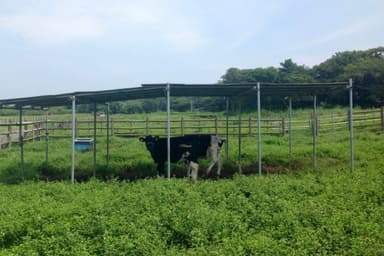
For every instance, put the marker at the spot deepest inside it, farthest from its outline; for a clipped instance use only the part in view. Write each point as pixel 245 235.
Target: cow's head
pixel 150 141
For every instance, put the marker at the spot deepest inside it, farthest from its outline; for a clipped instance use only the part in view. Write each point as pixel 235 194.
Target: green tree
pixel 366 68
pixel 290 72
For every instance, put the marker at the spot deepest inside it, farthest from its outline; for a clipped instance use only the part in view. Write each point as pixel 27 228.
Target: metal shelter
pixel 169 90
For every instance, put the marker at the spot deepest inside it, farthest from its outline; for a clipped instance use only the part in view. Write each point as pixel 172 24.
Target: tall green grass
pixel 329 212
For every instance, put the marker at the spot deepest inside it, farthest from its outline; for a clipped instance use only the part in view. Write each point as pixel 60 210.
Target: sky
pixel 60 46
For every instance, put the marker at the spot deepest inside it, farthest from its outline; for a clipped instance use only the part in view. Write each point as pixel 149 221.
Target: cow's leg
pixel 212 153
pixel 219 163
pixel 194 169
pixel 189 169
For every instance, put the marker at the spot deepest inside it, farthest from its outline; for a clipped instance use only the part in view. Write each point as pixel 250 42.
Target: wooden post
pixel 317 124
pixel 311 122
pixel 216 125
pixel 34 127
pixel 282 127
pixel 382 118
pixel 146 126
pixel 25 131
pixel 250 126
pixel 77 134
pixel 112 126
pixel 182 125
pixel 9 137
pixel 39 127
pixel 89 128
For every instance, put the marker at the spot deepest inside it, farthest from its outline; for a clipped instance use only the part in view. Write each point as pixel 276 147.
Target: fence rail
pixel 36 129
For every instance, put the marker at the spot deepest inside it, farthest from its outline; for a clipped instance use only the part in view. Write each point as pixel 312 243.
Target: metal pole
pixel 259 127
pixel 351 124
pixel 46 137
pixel 239 149
pixel 290 126
pixel 94 139
pixel 73 138
pixel 226 128
pixel 21 142
pixel 168 131
pixel 314 132
pixel 107 134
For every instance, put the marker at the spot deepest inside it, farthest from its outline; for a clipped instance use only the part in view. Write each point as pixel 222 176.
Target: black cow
pixel 197 145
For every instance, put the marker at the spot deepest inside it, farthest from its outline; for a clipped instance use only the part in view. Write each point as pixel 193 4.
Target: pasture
pixel 291 210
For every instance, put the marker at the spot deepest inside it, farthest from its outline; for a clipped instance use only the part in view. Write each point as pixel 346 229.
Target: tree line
pixel 365 67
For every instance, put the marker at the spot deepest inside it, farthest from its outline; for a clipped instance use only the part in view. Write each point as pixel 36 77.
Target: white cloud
pixel 51 30
pixel 163 21
pixel 184 40
pixel 58 22
pixel 139 13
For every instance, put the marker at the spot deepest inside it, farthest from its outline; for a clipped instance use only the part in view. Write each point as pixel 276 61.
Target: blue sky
pixel 59 46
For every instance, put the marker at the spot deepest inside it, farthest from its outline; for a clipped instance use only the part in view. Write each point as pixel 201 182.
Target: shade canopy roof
pixel 159 90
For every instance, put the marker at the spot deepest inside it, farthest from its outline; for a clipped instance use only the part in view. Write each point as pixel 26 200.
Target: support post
pixel 94 138
pixel 46 137
pixel 259 127
pixel 350 87
pixel 108 135
pixel 290 126
pixel 21 142
pixel 9 137
pixel 239 138
pixel 73 138
pixel 314 132
pixel 226 127
pixel 168 131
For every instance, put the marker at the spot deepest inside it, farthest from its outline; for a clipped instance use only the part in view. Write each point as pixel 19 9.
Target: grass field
pixel 300 211
pixel 130 159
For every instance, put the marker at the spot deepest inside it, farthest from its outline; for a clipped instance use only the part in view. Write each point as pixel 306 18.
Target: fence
pixel 35 130
pixel 9 133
